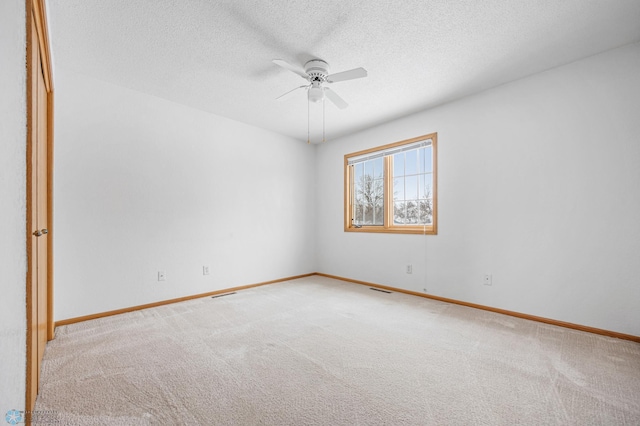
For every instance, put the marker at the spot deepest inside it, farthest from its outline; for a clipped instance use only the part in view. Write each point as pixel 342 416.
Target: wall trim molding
pixel 170 301
pixel 40 19
pixel 550 321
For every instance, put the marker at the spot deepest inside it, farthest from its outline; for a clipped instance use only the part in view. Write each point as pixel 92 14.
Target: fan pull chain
pixel 323 115
pixel 308 122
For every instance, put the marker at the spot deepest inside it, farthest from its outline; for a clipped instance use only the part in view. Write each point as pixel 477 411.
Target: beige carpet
pixel 317 351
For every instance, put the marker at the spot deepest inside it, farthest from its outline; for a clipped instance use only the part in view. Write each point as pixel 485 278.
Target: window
pixel 392 188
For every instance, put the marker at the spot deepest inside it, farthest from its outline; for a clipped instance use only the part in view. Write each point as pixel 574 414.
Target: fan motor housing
pixel 317 70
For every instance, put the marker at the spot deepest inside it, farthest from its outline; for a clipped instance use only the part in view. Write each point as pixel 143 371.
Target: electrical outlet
pixel 162 276
pixel 409 269
pixel 205 270
pixel 487 279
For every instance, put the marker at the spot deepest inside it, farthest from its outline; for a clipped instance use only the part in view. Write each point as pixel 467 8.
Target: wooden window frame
pixel 388 226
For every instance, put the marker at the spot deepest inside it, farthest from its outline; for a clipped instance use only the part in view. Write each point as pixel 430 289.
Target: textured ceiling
pixel 216 55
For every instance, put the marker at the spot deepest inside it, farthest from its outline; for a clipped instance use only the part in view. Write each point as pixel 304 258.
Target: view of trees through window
pixel 412 189
pixel 368 206
pixel 392 188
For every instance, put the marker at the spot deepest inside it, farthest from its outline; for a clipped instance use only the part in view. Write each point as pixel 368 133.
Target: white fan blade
pixel 288 94
pixel 347 75
pixel 333 97
pixel 286 65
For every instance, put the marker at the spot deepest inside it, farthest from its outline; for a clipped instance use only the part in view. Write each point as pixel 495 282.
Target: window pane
pixel 358 210
pixel 398 188
pixel 352 192
pixel 379 214
pixel 368 215
pixel 368 190
pixel 358 171
pixel 377 191
pixel 426 212
pixel 378 169
pixel 411 162
pixel 412 212
pixel 427 165
pixel 398 164
pixel 368 168
pixel 411 188
pixel 425 186
pixel 399 212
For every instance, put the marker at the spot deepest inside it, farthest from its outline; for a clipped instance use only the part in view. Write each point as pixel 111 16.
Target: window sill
pixel 429 230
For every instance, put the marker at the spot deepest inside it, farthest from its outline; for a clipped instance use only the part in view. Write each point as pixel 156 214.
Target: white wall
pixel 13 138
pixel 143 184
pixel 539 185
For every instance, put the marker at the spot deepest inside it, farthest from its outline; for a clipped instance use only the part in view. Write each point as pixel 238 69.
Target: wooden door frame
pixel 35 11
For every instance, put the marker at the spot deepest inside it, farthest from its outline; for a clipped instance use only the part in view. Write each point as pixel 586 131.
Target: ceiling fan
pixel 316 72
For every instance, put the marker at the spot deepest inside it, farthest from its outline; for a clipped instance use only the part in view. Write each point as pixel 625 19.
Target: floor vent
pixel 378 289
pixel 222 295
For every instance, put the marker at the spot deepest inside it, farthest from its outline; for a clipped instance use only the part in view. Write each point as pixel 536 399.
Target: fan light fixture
pixel 315 94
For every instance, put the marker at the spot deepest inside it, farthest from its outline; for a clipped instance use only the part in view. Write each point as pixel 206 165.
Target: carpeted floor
pixel 317 351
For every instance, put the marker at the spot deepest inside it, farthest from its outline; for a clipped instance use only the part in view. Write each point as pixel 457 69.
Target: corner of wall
pixel 12 208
